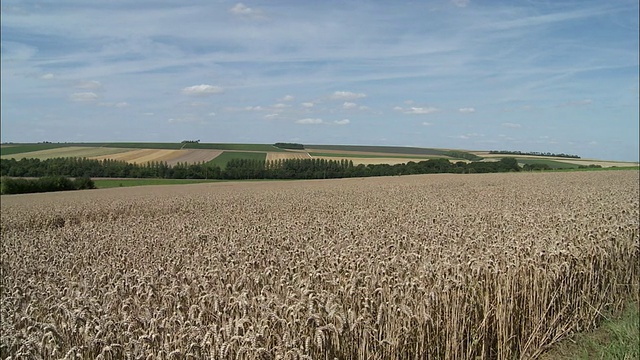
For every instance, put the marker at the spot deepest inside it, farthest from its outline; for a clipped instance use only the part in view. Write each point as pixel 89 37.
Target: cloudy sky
pixel 531 75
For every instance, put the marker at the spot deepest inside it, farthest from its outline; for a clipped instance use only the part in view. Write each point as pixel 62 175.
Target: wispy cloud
pixel 309 121
pixel 342 122
pixel 89 85
pixel 583 102
pixel 349 105
pixel 420 110
pixel 346 95
pixel 511 125
pixel 467 110
pixel 202 90
pixel 460 3
pixel 84 97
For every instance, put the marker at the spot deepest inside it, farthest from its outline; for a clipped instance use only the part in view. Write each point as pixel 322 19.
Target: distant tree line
pixel 44 184
pixel 243 168
pixel 534 153
pixel 190 142
pixel 292 146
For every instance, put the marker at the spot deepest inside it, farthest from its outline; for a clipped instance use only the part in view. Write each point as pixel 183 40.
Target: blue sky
pixel 551 76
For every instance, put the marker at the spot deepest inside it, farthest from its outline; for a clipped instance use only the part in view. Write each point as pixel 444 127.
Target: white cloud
pixel 121 104
pixel 271 116
pixel 47 76
pixel 309 121
pixel 212 114
pixel 427 123
pixel 307 104
pixel 287 98
pixel 511 125
pixel 89 85
pixel 148 114
pixel 280 106
pixel 254 108
pixel 241 9
pixel 202 90
pixel 420 110
pixel 467 110
pixel 346 95
pixel 342 122
pixel 84 97
pixel 397 108
pixel 349 105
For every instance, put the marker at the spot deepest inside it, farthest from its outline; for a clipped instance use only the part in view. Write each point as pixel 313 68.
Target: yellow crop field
pixel 171 157
pixel 69 151
pixel 287 155
pixel 492 266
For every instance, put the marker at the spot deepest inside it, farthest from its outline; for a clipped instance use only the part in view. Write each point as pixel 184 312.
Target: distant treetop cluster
pixel 190 142
pixel 534 153
pixel 292 146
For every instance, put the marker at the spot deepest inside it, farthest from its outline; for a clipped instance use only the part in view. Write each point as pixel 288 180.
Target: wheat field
pixel 495 266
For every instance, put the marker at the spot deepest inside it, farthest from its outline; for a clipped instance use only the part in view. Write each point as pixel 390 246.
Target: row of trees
pixel 44 184
pixel 534 153
pixel 293 146
pixel 242 168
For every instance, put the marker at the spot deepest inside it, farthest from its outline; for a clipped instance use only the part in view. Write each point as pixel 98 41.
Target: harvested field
pixel 287 155
pixel 68 151
pixel 587 162
pixel 372 153
pixel 494 266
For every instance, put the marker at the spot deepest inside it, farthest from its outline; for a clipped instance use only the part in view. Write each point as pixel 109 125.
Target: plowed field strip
pixel 146 155
pixel 194 156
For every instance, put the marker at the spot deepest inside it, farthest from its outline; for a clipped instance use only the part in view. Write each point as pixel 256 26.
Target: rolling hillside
pixel 191 153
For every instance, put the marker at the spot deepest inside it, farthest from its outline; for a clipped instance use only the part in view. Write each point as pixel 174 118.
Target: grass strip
pixel 226 156
pixel 112 183
pixel 366 156
pixel 615 339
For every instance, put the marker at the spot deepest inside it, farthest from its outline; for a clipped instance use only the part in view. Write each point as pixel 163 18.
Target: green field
pixel 226 156
pixel 22 148
pixel 551 163
pixel 25 148
pixel 238 147
pixel 111 183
